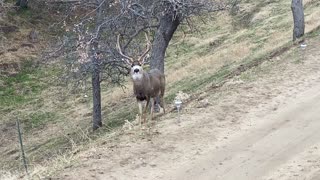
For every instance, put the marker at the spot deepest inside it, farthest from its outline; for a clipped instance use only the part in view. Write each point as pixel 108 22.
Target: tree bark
pixel 96 69
pixel 23 4
pixel 298 18
pixel 168 25
pixel 96 92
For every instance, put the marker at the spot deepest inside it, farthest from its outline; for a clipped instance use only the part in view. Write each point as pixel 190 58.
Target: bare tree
pixel 298 19
pixel 89 51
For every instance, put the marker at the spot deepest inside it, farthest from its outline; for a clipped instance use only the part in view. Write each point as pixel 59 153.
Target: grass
pixel 262 37
pixel 20 88
pixel 26 86
pixel 56 122
pixel 37 120
pixel 193 84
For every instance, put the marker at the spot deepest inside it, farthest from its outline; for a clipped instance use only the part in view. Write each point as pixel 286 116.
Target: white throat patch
pixel 136 75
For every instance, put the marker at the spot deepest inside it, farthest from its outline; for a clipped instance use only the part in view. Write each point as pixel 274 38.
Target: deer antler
pixel 129 60
pixel 142 57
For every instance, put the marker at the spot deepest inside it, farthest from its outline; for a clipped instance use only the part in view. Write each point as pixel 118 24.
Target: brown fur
pixel 149 87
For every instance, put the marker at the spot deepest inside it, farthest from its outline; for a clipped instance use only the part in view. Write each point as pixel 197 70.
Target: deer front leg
pixel 140 112
pixel 152 106
pixel 145 110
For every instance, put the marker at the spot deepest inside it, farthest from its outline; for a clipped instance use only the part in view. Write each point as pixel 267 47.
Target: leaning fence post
pixel 22 149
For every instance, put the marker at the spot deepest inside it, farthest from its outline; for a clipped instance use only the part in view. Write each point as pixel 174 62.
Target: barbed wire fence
pixel 23 156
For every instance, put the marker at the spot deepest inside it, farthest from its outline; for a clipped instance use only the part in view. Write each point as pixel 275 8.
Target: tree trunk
pixel 298 18
pixel 96 89
pixel 96 92
pixel 168 25
pixel 22 4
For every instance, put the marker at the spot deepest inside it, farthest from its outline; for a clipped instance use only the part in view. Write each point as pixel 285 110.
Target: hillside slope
pixel 262 124
pixel 56 121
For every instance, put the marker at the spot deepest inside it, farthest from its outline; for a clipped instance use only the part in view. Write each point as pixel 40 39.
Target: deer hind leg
pixel 161 101
pixel 162 104
pixel 162 90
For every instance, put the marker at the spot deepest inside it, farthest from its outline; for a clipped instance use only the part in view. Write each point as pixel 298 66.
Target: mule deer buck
pixel 146 85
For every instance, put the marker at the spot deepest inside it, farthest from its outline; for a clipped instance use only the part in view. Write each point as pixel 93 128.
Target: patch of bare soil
pixel 17 44
pixel 262 124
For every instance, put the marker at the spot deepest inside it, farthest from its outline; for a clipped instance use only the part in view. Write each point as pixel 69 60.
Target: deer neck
pixel 136 77
pixel 141 82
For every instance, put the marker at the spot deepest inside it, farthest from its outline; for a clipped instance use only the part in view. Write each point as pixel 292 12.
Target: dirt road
pixel 263 124
pixel 274 140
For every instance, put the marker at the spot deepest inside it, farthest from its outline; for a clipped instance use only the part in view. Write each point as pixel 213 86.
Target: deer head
pixel 136 64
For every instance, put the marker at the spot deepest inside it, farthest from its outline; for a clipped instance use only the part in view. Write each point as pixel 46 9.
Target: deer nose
pixel 136 70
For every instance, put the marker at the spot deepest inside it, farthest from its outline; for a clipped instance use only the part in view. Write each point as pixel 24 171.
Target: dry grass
pixel 195 59
pixel 269 29
pixel 4 175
